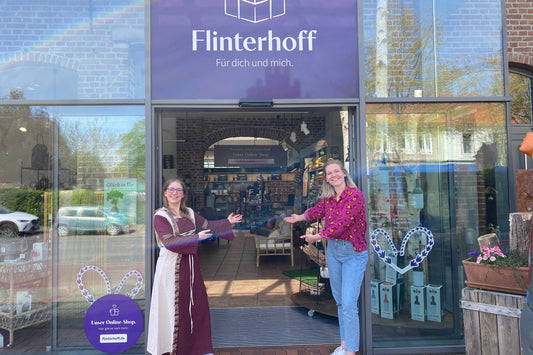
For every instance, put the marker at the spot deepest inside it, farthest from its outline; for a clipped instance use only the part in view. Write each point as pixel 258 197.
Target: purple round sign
pixel 113 323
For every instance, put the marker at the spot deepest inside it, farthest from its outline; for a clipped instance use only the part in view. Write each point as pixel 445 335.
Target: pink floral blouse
pixel 343 219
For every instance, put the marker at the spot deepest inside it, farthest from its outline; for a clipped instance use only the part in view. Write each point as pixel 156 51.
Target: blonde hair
pixel 327 189
pixel 184 211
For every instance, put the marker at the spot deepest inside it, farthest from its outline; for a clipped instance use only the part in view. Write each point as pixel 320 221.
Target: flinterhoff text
pixel 210 40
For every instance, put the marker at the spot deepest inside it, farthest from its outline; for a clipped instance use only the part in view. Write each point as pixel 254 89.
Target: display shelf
pixel 403 320
pixel 257 196
pixel 23 271
pixel 24 276
pixel 313 179
pixel 318 297
pixel 12 322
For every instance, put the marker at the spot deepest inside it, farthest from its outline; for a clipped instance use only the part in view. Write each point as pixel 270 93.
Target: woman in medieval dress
pixel 179 321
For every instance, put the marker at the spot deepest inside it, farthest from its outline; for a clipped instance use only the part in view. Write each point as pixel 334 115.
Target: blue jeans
pixel 346 269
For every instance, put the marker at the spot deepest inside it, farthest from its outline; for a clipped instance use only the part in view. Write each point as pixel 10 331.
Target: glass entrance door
pixel 263 165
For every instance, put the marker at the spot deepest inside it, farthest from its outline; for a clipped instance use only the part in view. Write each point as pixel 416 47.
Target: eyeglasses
pixel 171 189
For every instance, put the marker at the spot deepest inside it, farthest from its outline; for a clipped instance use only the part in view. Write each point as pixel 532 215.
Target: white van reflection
pixel 84 219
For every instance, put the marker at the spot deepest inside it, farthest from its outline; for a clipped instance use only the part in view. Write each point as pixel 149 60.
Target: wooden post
pixel 520 231
pixel 489 240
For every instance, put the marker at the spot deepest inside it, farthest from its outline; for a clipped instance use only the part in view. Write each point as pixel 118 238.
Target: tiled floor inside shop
pixel 233 280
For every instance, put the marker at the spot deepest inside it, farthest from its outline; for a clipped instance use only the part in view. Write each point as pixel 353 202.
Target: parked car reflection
pixel 18 222
pixel 79 219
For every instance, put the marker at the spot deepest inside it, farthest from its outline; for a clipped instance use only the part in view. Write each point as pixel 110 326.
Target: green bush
pixel 23 200
pixel 82 197
pixel 65 198
pixel 32 201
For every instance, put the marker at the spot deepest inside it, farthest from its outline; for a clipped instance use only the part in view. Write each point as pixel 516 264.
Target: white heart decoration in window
pixel 382 254
pixel 90 298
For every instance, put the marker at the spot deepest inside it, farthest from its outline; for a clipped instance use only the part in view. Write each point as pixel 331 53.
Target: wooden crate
pixel 491 321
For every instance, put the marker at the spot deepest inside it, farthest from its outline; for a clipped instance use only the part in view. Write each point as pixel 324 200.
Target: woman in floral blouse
pixel 342 207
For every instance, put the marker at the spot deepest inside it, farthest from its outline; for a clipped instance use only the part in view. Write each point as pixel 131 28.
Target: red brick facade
pixel 520 32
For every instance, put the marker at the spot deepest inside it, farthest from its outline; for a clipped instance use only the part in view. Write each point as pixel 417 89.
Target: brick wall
pixel 520 31
pixel 94 50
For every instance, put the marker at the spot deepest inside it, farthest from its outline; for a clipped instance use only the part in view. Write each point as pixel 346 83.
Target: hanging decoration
pixel 303 128
pixel 90 298
pixel 382 253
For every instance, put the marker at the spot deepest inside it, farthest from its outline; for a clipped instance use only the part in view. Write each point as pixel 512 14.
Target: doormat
pixel 307 276
pixel 235 327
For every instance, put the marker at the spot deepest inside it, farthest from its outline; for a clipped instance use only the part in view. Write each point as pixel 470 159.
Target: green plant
pixel 82 197
pixel 24 200
pixel 113 196
pixel 8 234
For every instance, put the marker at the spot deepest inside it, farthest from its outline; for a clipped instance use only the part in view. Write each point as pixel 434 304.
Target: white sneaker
pixel 339 351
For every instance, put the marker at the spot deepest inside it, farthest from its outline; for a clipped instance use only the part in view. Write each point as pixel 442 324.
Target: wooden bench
pixel 278 242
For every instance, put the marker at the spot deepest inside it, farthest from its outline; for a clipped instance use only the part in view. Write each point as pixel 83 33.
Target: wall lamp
pixel 22 126
pixel 256 103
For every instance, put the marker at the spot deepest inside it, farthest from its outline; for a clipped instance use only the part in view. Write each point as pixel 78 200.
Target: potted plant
pixel 493 270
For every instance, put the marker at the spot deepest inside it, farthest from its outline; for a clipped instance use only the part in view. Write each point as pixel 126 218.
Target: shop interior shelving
pixel 24 278
pixel 318 297
pixel 257 196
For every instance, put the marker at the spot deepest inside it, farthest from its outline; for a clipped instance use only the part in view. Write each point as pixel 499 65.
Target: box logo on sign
pixel 254 11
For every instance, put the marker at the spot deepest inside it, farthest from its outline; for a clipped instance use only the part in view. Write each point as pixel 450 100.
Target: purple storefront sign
pixel 255 49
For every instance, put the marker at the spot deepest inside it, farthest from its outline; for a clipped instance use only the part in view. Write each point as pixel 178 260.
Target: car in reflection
pixel 18 222
pixel 86 219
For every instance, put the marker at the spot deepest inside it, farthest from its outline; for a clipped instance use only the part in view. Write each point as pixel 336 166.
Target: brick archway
pixel 521 61
pixel 201 132
pixel 244 131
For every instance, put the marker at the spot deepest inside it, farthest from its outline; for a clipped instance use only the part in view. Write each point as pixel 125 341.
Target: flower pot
pixel 496 278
